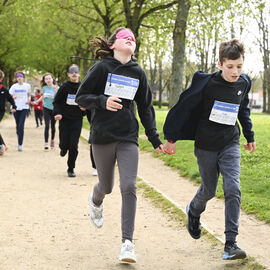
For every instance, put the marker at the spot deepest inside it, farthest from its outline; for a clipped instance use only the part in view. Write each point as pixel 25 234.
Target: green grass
pixel 255 168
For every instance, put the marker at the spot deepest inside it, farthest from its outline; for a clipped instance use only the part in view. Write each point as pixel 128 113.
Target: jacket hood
pixel 114 61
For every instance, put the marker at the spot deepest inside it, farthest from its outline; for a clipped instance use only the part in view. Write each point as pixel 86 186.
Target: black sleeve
pixel 59 99
pixel 10 99
pixel 90 93
pixel 244 117
pixel 146 111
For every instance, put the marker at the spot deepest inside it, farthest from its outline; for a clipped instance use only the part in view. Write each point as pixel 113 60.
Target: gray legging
pixel 126 155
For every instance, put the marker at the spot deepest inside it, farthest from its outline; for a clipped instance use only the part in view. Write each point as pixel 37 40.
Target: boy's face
pixel 74 77
pixel 231 69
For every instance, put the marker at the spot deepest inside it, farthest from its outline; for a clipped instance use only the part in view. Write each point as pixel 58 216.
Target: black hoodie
pixel 108 126
pixel 64 101
pixel 5 95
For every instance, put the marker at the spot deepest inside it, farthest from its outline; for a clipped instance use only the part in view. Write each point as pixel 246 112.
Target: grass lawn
pixel 255 168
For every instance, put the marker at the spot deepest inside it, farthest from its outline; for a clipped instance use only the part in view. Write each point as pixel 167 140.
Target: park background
pixel 174 39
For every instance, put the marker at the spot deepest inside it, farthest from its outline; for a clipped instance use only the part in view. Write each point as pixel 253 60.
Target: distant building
pixel 256 101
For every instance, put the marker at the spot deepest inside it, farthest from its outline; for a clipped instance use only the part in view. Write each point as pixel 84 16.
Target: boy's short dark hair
pixel 2 74
pixel 232 49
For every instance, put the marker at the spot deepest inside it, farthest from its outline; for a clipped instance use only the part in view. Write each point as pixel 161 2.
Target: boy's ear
pixel 219 64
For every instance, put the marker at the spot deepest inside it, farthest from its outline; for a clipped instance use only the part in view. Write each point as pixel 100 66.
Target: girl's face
pixel 48 80
pixel 124 43
pixel 20 80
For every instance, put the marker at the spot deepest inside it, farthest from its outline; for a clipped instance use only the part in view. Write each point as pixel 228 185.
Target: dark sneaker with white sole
pixel 233 252
pixel 193 225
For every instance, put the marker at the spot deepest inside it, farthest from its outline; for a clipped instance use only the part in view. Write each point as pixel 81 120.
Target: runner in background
pixel 21 93
pixel 207 112
pixel 109 89
pixel 4 96
pixel 49 89
pixel 70 115
pixel 38 107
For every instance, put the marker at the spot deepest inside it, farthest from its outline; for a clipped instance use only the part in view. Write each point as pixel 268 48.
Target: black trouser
pixel 38 116
pixel 2 113
pixel 1 140
pixel 20 120
pixel 92 158
pixel 49 118
pixel 69 135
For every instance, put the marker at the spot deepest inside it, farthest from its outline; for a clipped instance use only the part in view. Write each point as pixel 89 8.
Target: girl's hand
pixel 58 117
pixel 250 146
pixel 82 109
pixel 170 148
pixel 160 149
pixel 13 110
pixel 113 105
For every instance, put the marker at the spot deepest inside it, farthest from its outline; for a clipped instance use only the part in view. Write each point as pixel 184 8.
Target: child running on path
pixel 207 112
pixel 70 115
pixel 49 89
pixel 4 96
pixel 110 88
pixel 21 93
pixel 38 107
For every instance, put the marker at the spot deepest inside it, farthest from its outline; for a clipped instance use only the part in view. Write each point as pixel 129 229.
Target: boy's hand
pixel 170 148
pixel 13 110
pixel 82 109
pixel 160 149
pixel 113 104
pixel 250 146
pixel 58 117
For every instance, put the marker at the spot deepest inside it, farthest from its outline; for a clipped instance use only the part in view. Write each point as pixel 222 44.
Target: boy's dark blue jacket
pixel 183 119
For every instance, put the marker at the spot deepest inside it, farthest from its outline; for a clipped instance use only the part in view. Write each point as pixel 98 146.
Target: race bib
pixel 121 86
pixel 71 100
pixel 224 113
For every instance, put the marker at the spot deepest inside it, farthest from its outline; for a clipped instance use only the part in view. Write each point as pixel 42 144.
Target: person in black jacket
pixel 4 96
pixel 70 115
pixel 109 89
pixel 207 112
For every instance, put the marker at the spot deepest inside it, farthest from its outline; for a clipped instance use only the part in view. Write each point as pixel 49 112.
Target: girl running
pixel 21 93
pixel 49 89
pixel 109 88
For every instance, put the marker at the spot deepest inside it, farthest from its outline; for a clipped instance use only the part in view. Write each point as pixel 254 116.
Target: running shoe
pixel 95 172
pixel 52 144
pixel 233 252
pixel 127 252
pixel 46 146
pixel 193 225
pixel 96 213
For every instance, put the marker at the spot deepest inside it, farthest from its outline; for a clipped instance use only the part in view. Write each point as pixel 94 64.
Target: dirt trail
pixel 45 225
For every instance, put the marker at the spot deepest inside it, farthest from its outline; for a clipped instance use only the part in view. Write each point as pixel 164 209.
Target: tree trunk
pixel 160 84
pixel 179 40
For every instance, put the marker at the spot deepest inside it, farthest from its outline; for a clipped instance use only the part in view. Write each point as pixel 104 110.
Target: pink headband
pixel 125 34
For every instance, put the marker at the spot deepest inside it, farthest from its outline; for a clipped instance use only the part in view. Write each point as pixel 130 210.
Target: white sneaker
pixel 20 148
pixel 127 252
pixel 95 173
pixel 46 146
pixel 96 213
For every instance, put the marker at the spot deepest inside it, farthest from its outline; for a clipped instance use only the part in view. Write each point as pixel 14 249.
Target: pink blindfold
pixel 124 34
